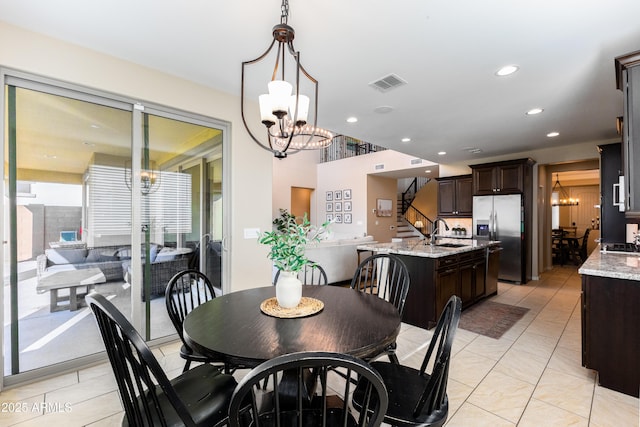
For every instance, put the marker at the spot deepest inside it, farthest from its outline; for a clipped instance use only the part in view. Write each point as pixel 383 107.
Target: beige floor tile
pixel 469 368
pixel 80 414
pixel 540 414
pixel 522 365
pixel 611 408
pixel 502 395
pixel 17 411
pixel 472 416
pixel 569 361
pixel 489 347
pixel 536 344
pixel 457 393
pixel 565 391
pixel 83 391
pixel 40 387
pixel 95 371
pixel 547 328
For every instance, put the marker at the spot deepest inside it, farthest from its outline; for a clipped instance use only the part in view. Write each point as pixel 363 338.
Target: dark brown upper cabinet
pixel 500 178
pixel 455 196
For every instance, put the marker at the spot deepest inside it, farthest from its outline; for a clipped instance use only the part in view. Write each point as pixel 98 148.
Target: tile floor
pixel 529 377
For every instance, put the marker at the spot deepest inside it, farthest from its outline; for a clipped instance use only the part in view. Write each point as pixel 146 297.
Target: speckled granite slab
pixel 419 248
pixel 618 266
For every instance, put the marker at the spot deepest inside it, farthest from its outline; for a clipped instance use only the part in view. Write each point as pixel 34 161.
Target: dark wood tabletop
pixel 233 327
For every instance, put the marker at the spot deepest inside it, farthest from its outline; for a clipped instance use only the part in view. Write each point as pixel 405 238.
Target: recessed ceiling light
pixel 406 139
pixel 505 71
pixel 95 126
pixel 534 111
pixel 352 119
pixel 427 171
pixel 552 134
pixel 441 153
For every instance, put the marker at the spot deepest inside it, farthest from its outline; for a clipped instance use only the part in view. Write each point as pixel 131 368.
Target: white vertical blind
pixel 168 209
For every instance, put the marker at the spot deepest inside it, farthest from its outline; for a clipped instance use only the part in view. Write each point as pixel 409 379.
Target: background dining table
pixel 234 328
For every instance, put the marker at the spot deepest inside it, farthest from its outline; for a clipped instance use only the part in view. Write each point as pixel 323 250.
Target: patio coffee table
pixel 71 279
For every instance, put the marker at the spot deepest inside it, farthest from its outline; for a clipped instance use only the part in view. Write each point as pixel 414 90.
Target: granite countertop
pixel 614 265
pixel 417 247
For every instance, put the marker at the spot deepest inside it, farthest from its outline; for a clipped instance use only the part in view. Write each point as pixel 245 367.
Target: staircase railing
pixel 414 216
pixel 410 193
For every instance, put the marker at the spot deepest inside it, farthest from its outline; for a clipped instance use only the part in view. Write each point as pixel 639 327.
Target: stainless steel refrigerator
pixel 502 218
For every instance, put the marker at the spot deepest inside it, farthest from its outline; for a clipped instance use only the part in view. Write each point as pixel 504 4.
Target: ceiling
pixel 447 52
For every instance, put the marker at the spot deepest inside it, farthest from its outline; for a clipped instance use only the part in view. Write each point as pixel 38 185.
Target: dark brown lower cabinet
pixel 611 331
pixel 435 280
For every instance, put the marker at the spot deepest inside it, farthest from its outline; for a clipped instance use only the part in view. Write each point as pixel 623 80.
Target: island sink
pixel 451 245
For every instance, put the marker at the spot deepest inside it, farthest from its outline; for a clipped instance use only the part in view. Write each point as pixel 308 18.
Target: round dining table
pixel 233 328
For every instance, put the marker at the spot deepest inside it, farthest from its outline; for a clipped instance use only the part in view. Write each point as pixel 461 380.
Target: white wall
pixel 251 166
pixel 296 170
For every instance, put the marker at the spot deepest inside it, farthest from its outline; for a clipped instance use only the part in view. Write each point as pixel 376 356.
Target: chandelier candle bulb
pixel 279 94
pixel 303 109
pixel 266 111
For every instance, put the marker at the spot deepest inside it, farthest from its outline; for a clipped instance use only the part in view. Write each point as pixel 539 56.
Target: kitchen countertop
pixel 417 247
pixel 614 265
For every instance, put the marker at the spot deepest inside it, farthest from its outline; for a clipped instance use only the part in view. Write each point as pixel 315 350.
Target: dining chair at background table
pixel 291 402
pixel 185 291
pixel 387 277
pixel 198 397
pixel 311 274
pixel 419 397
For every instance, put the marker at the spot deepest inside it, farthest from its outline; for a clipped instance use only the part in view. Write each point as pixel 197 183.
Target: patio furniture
pixel 72 280
pixel 198 397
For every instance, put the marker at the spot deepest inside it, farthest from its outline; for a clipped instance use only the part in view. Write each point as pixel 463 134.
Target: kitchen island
pixel 451 267
pixel 611 319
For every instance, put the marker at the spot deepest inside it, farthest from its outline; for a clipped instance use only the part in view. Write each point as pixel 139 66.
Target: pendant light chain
pixel 284 17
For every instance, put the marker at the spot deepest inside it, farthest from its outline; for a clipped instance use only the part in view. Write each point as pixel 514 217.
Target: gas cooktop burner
pixel 620 248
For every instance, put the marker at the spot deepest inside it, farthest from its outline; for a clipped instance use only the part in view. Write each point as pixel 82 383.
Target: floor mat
pixel 491 319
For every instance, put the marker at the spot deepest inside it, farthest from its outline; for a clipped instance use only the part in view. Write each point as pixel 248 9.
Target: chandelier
pixel 285 115
pixel 563 197
pixel 149 179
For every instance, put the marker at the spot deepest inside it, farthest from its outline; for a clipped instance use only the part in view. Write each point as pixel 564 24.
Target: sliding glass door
pixel 101 194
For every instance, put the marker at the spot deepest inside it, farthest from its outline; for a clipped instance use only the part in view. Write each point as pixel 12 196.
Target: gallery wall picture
pixel 347 218
pixel 347 206
pixel 338 206
pixel 337 195
pixel 329 207
pixel 329 196
pixel 338 218
pixel 346 194
pixel 329 217
pixel 384 207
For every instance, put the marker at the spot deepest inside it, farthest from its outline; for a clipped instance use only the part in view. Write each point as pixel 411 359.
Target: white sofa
pixel 338 257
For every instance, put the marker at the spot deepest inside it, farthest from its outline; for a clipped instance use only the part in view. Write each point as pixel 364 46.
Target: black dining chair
pixel 185 291
pixel 292 400
pixel 198 397
pixel 419 397
pixel 311 274
pixel 387 277
pixel 578 250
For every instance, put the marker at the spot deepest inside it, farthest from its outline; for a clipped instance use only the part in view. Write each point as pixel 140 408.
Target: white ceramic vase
pixel 288 289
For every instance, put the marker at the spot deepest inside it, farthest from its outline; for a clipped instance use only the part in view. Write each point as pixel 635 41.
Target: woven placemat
pixel 306 307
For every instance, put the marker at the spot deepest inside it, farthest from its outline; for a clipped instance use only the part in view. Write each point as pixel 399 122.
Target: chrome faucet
pixel 432 239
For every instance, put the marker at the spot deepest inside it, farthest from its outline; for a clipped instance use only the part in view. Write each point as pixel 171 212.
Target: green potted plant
pixel 287 243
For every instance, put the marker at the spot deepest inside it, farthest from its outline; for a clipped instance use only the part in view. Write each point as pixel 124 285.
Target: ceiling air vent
pixel 387 83
pixel 416 161
pixel 379 166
